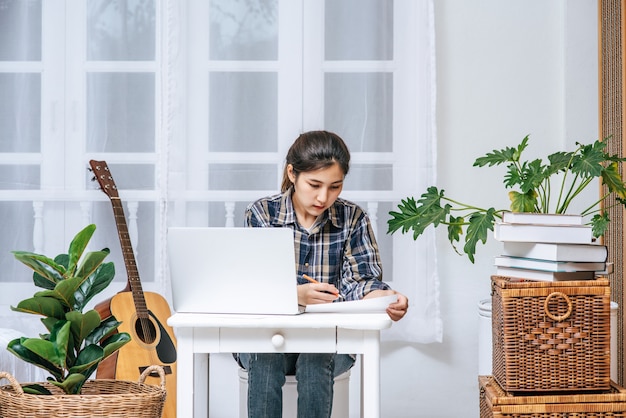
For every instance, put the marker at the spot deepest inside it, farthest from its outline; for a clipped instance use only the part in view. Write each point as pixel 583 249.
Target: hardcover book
pixel 556 251
pixel 541 218
pixel 546 265
pixel 546 276
pixel 570 234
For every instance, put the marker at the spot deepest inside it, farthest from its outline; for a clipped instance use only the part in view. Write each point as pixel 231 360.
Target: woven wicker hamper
pixel 496 403
pixel 101 398
pixel 551 336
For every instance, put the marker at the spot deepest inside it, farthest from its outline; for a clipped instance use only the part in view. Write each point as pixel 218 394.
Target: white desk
pixel 308 332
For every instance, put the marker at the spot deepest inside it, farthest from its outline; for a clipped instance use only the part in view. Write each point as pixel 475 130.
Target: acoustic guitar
pixel 143 314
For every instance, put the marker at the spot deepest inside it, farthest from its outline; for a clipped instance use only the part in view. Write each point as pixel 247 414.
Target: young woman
pixel 334 245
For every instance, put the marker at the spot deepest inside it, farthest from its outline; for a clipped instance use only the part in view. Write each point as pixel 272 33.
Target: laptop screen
pixel 232 270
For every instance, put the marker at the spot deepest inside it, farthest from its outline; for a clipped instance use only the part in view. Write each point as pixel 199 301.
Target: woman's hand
pixel 312 293
pixel 396 310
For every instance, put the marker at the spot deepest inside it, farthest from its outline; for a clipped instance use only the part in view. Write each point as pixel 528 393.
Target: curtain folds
pixel 221 123
pixel 413 263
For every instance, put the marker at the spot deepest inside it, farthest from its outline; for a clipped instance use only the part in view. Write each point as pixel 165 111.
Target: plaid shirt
pixel 340 247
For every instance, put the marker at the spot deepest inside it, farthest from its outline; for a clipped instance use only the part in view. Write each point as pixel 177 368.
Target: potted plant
pixel 76 341
pixel 533 184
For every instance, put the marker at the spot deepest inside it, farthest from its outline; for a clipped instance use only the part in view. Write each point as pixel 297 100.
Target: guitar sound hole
pixel 145 330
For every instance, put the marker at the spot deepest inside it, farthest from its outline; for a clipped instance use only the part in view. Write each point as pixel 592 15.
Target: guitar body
pixel 142 314
pixel 155 346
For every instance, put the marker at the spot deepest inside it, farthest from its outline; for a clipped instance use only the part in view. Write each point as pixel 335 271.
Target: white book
pixel 569 234
pixel 546 265
pixel 541 218
pixel 544 276
pixel 556 251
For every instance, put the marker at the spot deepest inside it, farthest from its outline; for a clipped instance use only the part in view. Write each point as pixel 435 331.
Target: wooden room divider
pixel 612 73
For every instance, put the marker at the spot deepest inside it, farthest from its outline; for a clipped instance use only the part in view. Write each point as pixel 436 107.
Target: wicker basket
pixel 100 398
pixel 551 336
pixel 496 403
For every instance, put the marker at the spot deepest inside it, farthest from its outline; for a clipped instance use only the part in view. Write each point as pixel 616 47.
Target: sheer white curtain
pixel 246 77
pixel 193 104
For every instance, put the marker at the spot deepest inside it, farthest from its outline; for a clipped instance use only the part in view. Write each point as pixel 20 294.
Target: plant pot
pixel 100 398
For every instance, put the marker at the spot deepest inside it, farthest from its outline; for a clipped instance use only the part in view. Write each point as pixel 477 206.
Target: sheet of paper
pixel 354 306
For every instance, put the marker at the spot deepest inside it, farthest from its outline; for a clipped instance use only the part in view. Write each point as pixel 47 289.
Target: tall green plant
pixel 538 186
pixel 77 342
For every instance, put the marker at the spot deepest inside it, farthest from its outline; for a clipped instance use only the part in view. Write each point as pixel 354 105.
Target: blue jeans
pixel 315 373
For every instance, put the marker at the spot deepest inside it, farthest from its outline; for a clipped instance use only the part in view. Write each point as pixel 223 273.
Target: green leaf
pixel 17 348
pixel 95 283
pixel 513 176
pixel 115 342
pixel 50 321
pixel 559 162
pixel 62 260
pixel 455 228
pixel 107 328
pixel 45 267
pixel 89 356
pixel 63 292
pixel 78 245
pixel 533 174
pixel 405 218
pixel 82 325
pixel 40 281
pixel 479 224
pixel 91 262
pixel 418 216
pixel 612 178
pixel 523 202
pixel 42 306
pixel 599 224
pixel 72 384
pixel 590 159
pixel 60 338
pixel 503 156
pixel 44 349
pixel 430 218
pixel 35 389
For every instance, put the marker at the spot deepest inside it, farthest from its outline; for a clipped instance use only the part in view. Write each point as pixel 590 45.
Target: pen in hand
pixel 312 280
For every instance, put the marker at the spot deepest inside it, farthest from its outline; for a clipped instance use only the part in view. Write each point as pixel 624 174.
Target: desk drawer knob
pixel 278 340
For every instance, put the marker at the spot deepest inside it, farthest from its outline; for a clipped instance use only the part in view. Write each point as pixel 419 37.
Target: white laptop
pixel 233 270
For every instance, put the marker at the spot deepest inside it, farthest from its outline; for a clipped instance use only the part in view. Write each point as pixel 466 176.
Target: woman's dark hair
pixel 314 150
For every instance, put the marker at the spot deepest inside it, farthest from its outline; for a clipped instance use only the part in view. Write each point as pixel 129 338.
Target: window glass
pixel 244 30
pixel 107 236
pixel 242 177
pixel 133 176
pixel 360 107
pixel 121 30
pixel 243 112
pixel 20 30
pixel 16 235
pixel 218 215
pixel 19 177
pixel 358 30
pixel 20 112
pixel 120 112
pixel 370 177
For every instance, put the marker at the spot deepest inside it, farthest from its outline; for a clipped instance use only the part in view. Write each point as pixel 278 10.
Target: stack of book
pixel 548 247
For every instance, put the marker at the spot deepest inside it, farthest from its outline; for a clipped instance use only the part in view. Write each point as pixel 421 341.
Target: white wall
pixel 505 69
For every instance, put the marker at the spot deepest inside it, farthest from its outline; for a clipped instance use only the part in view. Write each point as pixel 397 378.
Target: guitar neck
pixel 134 283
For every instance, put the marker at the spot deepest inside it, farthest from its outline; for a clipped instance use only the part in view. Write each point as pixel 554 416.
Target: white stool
pixel 341 391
